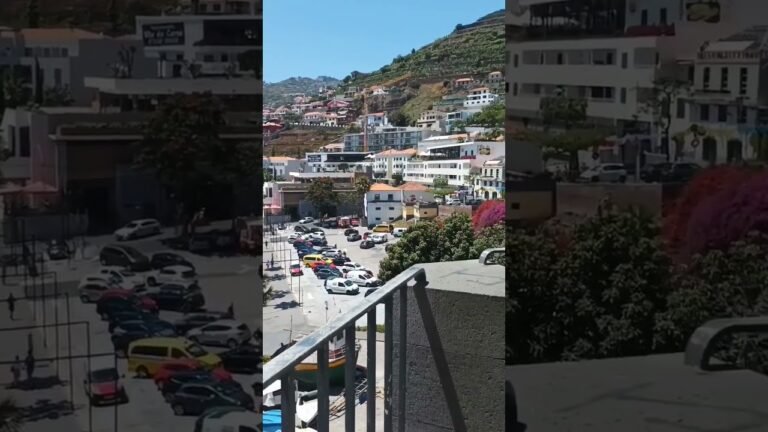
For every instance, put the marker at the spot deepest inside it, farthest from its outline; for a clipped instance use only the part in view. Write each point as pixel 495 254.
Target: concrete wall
pixel 472 349
pixel 584 199
pixel 523 156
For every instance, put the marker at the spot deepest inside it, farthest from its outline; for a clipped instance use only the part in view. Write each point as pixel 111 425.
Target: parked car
pixel 130 331
pixel 300 228
pixel 126 279
pixel 349 231
pixel 319 242
pixel 104 386
pixel 174 273
pixel 353 266
pixel 178 298
pixel 669 172
pixel 161 260
pixel 144 302
pixel 196 398
pixel 327 273
pixel 91 291
pixel 106 307
pixel 367 244
pixel 198 319
pixel 399 231
pixel 353 237
pixel 340 260
pixel 244 359
pixel 180 379
pixel 379 238
pixel 608 172
pixel 138 228
pixel 124 256
pixel 363 279
pixel 57 250
pixel 306 220
pixel 229 333
pixel 342 286
pixel 293 236
pixel 317 230
pixel 169 369
pixel 296 270
pixel 120 317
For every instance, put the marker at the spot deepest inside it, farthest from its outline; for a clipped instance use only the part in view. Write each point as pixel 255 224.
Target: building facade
pixel 390 162
pixel 382 138
pixel 491 180
pixel 338 161
pixel 280 167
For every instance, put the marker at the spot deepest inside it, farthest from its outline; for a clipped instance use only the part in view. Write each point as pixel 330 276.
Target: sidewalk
pixel 44 400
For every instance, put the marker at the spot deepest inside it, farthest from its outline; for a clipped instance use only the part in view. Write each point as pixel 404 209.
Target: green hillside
pixel 276 93
pixel 474 48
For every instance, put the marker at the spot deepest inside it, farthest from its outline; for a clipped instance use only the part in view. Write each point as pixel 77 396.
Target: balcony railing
pixel 282 367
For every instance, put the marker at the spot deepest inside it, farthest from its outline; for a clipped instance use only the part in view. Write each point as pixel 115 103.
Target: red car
pixel 296 270
pixel 103 386
pixel 168 369
pixel 145 302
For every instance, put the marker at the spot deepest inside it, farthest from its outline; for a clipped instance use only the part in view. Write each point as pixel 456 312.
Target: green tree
pixel 33 14
pixel 322 195
pixel 182 145
pixel 440 183
pixel 362 186
pixel 491 116
pixel 665 91
pixel 397 179
pixel 398 118
pixel 292 118
pixel 15 93
pixel 114 17
pixel 57 96
pixel 10 416
pixel 459 126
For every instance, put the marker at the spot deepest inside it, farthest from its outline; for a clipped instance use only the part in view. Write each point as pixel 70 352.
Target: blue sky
pixel 334 37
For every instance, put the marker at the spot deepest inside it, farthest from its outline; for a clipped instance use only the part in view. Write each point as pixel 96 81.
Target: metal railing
pixel 282 367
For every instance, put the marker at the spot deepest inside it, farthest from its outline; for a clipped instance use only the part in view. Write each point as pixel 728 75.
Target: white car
pixel 108 280
pixel 138 228
pixel 351 266
pixel 363 279
pixel 306 220
pixel 91 290
pixel 293 236
pixel 609 172
pixel 342 286
pixel 379 238
pixel 125 278
pixel 229 333
pixel 177 273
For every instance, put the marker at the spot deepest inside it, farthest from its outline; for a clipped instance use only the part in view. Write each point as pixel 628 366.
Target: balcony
pixel 438 373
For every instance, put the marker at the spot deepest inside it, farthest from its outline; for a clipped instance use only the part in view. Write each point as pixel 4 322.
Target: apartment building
pixel 281 166
pixel 613 63
pixel 479 98
pixel 384 203
pixel 382 138
pixel 430 119
pixel 338 161
pixel 453 159
pixel 390 162
pixel 206 41
pixel 452 117
pixel 490 181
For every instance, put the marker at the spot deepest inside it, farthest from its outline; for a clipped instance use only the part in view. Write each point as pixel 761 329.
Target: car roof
pixel 178 268
pixel 163 341
pixel 229 322
pixel 143 220
pixel 338 279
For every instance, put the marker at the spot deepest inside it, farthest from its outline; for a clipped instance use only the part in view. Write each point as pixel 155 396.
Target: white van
pixel 228 420
pixel 398 232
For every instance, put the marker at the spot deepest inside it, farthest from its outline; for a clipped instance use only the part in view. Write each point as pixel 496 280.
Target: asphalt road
pixel 223 280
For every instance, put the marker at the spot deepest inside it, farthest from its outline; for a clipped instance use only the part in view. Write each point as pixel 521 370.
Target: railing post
pixel 323 401
pixel 288 403
pixel 371 372
pixel 401 361
pixel 350 367
pixel 388 343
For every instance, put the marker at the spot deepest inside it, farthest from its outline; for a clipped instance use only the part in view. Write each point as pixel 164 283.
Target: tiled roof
pixel 392 153
pixel 279 158
pixel 411 186
pixel 57 34
pixel 381 187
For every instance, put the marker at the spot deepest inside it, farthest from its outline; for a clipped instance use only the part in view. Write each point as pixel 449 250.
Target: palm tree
pixel 10 416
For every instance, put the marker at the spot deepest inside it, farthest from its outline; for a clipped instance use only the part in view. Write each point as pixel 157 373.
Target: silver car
pixel 229 333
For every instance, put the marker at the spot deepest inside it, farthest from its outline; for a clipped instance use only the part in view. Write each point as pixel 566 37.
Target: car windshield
pixel 295 266
pixel 196 350
pixel 134 253
pixel 348 283
pixel 132 225
pixel 188 274
pixel 126 273
pixel 104 375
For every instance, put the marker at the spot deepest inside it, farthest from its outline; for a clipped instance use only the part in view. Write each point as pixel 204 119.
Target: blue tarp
pixel 272 421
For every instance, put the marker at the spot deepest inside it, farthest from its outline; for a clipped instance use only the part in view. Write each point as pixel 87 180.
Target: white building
pixel 375 120
pixel 613 64
pixel 282 166
pixel 491 179
pixel 382 138
pixel 384 203
pixel 430 119
pixel 207 42
pixel 390 162
pixel 338 161
pixel 479 98
pixel 452 159
pixel 452 117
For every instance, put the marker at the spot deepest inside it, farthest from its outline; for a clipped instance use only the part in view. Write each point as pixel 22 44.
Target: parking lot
pixel 317 306
pixel 224 281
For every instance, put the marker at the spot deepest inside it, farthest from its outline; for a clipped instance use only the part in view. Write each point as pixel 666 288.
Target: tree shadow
pixel 45 409
pixel 278 294
pixel 286 305
pixel 38 383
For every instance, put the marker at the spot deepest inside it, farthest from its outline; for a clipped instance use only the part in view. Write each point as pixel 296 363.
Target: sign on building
pixel 163 34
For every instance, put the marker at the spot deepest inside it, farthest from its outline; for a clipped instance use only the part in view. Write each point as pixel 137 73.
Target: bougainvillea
pixel 704 186
pixel 489 214
pixel 728 216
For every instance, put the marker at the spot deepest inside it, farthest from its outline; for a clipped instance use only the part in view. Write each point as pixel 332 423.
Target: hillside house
pixel 464 83
pixel 495 79
pixel 430 119
pixel 314 117
pixel 480 97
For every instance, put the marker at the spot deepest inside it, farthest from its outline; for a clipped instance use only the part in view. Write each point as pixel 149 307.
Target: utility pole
pixel 365 122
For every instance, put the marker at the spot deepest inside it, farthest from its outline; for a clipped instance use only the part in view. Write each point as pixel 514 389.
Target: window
pixel 663 16
pixel 624 60
pixel 225 58
pixel 27 52
pixel 704 112
pixel 12 140
pixel 742 115
pixel 390 197
pixel 705 78
pixel 208 58
pixel 378 208
pixel 217 8
pixel 602 57
pixel 57 77
pixel 559 58
pixel 623 95
pixel 376 197
pixel 177 353
pixel 691 73
pixel 65 52
pixel 179 57
pixel 601 92
pixel 516 60
pixel 644 17
pixel 514 89
pixel 722 113
pixel 724 78
pixel 391 208
pixel 743 73
pixel 24 147
pixel 680 109
pixel 46 52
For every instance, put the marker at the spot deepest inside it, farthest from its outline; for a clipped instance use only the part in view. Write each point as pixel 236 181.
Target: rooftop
pixel 168 86
pixel 411 186
pixel 654 393
pixel 44 35
pixel 395 153
pixel 382 187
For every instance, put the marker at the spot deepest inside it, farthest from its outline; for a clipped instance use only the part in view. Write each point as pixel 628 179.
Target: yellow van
pixel 309 259
pixel 146 355
pixel 383 228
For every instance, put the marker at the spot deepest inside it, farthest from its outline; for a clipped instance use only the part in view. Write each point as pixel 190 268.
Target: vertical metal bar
pixel 288 403
pixel 371 372
pixel 323 401
pixel 56 319
pixel 350 366
pixel 401 359
pixel 44 302
pixel 388 346
pixel 88 348
pixel 69 349
pixel 117 405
